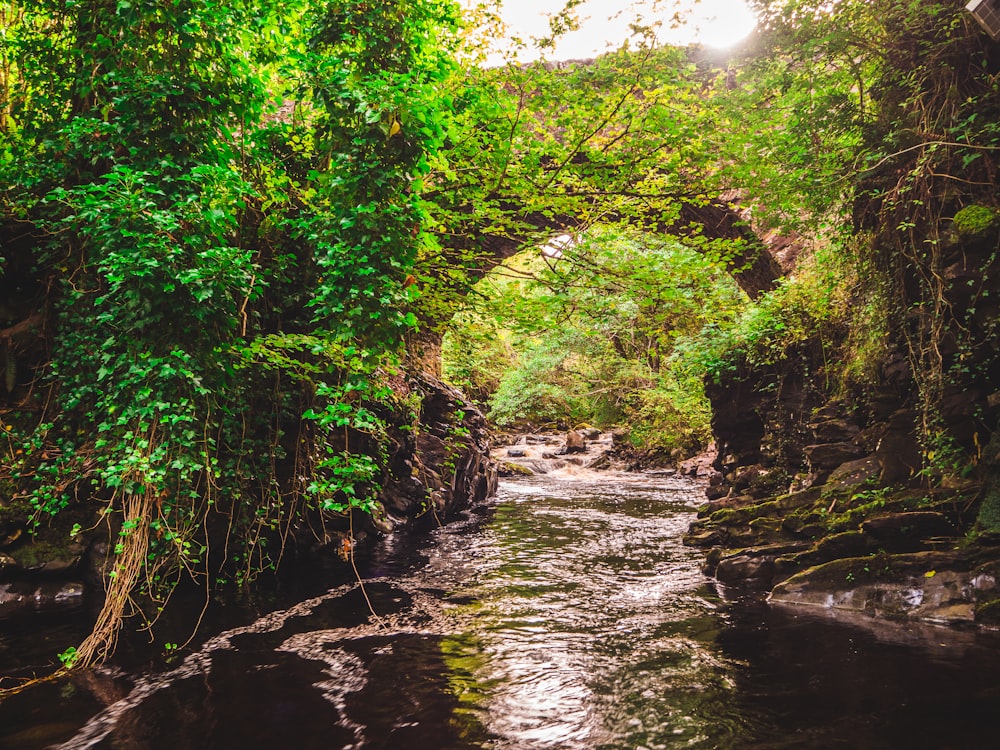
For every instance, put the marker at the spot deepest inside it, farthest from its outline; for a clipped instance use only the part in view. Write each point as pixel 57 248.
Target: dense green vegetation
pixel 220 211
pixel 226 227
pixel 603 331
pixel 863 135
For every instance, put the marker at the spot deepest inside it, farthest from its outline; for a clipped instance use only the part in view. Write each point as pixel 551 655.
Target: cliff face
pixel 847 500
pixel 441 465
pixel 880 494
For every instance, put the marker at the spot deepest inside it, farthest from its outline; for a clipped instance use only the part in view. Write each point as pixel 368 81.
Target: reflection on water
pixel 566 614
pixel 586 598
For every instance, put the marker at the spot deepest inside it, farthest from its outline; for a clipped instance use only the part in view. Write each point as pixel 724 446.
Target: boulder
pixel 511 469
pixel 835 547
pixel 855 473
pixel 575 442
pixel 898 450
pixel 894 528
pixel 929 586
pixel 39 596
pixel 730 501
pixel 746 569
pixel 538 439
pixel 834 431
pixel 828 456
pixel 447 458
pixel 716 491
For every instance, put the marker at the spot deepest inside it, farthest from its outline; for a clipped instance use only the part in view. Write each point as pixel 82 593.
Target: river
pixel 563 614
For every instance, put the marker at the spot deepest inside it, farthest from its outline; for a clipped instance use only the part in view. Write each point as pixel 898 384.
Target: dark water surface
pixel 565 614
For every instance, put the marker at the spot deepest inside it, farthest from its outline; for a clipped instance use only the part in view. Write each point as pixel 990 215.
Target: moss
pixel 766 524
pixel 802 499
pixel 14 511
pixel 989 512
pixel 988 613
pixel 54 541
pixel 880 567
pixel 743 516
pixel 40 552
pixel 975 220
pixel 509 469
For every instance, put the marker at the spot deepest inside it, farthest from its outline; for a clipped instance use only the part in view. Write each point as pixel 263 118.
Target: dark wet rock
pixel 59 566
pixel 939 587
pixel 808 545
pixel 898 450
pixel 716 492
pixel 711 562
pixel 590 433
pixel 805 525
pixel 26 596
pixel 828 456
pixel 98 563
pixel 700 466
pixel 538 440
pixel 8 566
pixel 833 547
pixel 747 476
pixel 803 481
pixel 753 566
pixel 446 465
pixel 834 431
pixel 602 462
pixel 870 436
pixel 746 569
pixel 537 456
pixel 729 502
pixel 988 613
pixel 575 442
pixel 907 528
pixel 796 500
pixel 855 473
pixel 704 537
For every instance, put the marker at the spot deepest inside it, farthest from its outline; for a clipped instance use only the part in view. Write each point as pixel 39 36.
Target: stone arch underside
pixel 754 268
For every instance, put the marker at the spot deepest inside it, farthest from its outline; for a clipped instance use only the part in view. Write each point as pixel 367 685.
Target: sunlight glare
pixel 605 24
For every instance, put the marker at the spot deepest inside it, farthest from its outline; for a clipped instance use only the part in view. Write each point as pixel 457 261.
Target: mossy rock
pixel 802 499
pixel 988 613
pixel 511 469
pixel 13 512
pixel 55 547
pixel 976 220
pixel 849 544
pixel 811 518
pixel 745 515
pixel 880 567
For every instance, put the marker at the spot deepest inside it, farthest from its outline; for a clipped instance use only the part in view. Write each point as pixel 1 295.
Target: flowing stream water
pixel 563 614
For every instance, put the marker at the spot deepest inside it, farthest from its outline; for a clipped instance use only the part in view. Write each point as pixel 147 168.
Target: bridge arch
pixel 752 264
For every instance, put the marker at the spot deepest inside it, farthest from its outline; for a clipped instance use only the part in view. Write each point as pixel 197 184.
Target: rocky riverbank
pixel 544 452
pixel 902 554
pixel 818 504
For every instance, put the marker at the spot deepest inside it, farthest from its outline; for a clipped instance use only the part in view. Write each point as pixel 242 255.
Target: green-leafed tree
pixel 224 273
pixel 590 334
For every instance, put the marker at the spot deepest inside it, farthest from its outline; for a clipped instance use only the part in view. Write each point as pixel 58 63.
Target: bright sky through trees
pixel 605 24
